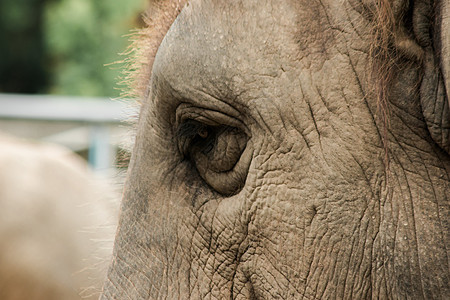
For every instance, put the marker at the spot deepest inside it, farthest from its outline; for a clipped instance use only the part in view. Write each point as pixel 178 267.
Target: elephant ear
pixel 431 28
pixel 444 51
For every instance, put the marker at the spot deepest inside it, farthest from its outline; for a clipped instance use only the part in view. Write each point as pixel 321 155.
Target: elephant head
pixel 290 150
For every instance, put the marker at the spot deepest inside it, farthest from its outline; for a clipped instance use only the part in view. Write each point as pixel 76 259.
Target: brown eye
pixel 203 133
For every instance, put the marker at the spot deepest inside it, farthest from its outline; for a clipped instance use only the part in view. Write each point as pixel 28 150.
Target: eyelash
pixel 190 133
pixel 189 129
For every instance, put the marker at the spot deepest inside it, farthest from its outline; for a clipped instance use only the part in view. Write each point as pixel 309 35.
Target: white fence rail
pixel 94 124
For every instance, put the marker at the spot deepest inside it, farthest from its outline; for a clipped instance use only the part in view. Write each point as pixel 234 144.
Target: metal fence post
pixel 99 156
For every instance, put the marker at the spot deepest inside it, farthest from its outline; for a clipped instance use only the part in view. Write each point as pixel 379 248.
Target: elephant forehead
pixel 265 56
pixel 225 46
pixel 276 60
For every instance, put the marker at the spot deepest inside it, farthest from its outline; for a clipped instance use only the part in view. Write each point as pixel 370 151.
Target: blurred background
pixel 64 143
pixel 61 46
pixel 66 51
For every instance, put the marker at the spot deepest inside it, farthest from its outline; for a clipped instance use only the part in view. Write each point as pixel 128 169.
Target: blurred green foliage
pixel 82 37
pixel 62 46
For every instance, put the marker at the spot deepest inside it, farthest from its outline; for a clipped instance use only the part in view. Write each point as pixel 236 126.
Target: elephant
pixel 332 118
pixel 57 223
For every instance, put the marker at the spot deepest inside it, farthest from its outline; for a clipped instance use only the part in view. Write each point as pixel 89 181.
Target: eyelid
pixel 225 166
pixel 207 117
pixel 186 132
pixel 189 128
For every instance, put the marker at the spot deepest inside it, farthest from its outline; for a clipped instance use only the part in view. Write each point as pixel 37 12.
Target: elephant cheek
pixel 148 260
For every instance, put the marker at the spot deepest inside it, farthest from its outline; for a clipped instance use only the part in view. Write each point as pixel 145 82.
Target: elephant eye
pixel 215 151
pixel 194 134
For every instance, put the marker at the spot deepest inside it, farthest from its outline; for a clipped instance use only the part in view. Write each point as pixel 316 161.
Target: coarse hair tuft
pixel 145 41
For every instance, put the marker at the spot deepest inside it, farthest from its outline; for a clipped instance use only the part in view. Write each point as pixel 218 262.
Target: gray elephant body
pixel 260 170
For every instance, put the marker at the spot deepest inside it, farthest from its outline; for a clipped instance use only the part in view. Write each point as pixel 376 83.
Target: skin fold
pixel 260 167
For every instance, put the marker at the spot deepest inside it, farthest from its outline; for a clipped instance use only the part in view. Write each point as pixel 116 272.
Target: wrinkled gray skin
pixel 294 202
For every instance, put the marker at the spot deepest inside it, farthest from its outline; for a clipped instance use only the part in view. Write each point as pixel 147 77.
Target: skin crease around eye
pixel 216 153
pixel 215 143
pixel 225 166
pixel 221 150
